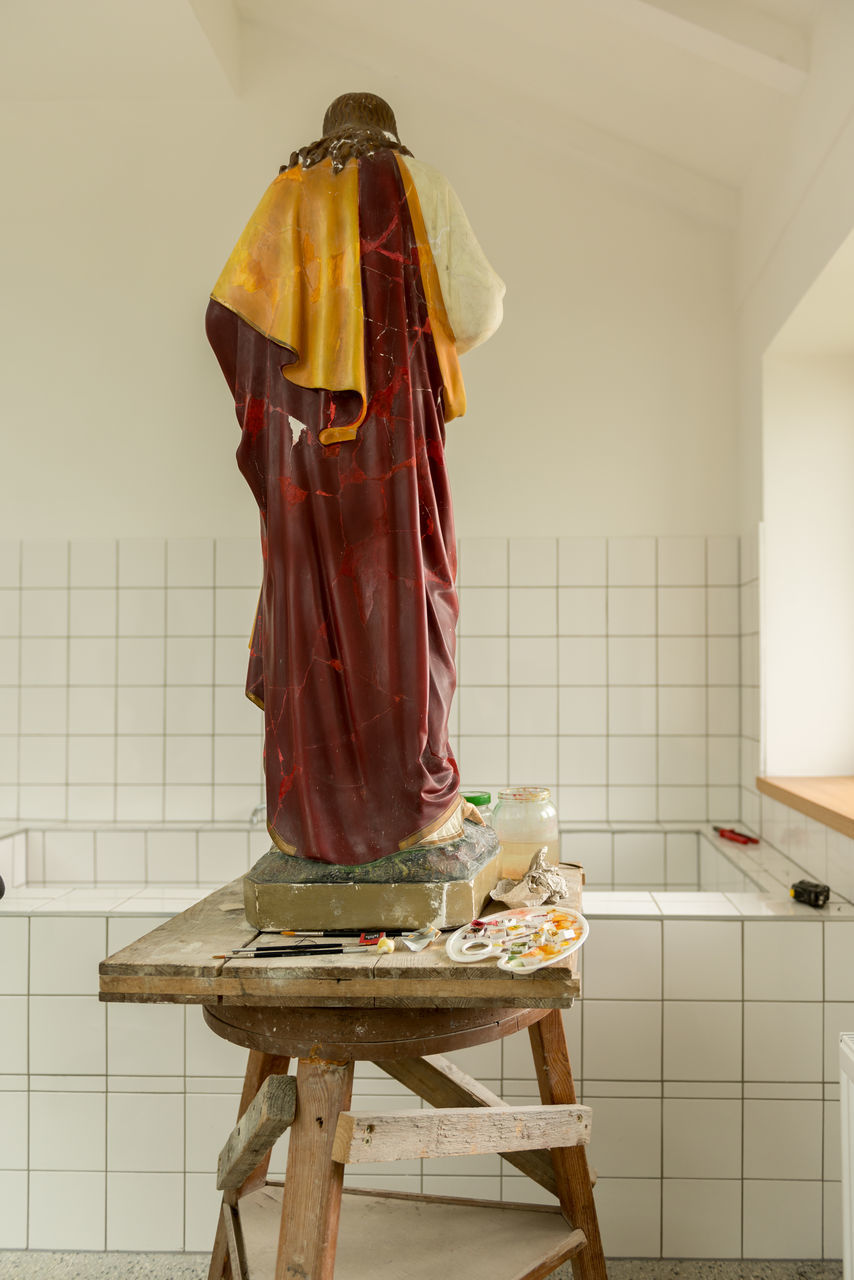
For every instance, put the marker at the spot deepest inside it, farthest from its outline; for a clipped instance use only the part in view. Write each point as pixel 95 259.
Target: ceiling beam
pixel 733 34
pixel 220 23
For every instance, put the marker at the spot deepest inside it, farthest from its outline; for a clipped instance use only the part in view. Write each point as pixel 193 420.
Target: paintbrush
pixel 331 949
pixel 381 947
pixel 367 937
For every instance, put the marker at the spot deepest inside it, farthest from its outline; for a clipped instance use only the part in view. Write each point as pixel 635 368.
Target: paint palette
pixel 521 940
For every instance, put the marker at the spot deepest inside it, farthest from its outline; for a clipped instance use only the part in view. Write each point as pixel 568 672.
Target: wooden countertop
pixel 827 800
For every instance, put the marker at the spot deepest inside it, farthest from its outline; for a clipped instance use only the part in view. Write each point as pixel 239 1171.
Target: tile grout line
pixel 183 1180
pixel 116 579
pixel 556 685
pixel 29 1074
pixel 106 1091
pixel 184 1143
pixel 20 667
pixel 739 575
pixel 661 1094
pixel 166 623
pixel 706 589
pixel 508 687
pixel 214 634
pixel 68 685
pixel 823 1076
pixel 743 997
pixel 164 677
pixel 658 686
pixel 608 700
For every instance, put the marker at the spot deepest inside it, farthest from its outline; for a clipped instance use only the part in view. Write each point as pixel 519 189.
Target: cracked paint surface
pixel 352 652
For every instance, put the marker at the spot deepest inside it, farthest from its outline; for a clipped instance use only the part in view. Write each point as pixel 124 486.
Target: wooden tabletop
pixel 174 964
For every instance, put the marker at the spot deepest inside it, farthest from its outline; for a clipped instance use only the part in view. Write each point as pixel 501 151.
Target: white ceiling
pixel 689 89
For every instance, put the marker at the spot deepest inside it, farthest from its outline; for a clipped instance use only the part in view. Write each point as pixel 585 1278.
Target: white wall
pixel 809 564
pixel 798 208
pixel 604 405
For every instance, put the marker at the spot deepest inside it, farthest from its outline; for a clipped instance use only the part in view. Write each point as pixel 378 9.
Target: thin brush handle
pixel 290 948
pixel 288 951
pixel 328 933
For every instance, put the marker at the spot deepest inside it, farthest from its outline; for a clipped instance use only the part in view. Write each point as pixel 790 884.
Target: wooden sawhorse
pixel 398 1010
pixel 392 1234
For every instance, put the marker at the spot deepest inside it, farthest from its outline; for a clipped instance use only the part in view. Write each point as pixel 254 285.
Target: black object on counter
pixel 810 892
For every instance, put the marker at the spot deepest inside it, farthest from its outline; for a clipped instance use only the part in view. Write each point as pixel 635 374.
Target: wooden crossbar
pixel 456 1131
pixel 570 1248
pixel 265 1120
pixel 443 1084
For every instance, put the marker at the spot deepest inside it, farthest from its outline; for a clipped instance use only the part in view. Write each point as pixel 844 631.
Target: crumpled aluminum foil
pixel 541 884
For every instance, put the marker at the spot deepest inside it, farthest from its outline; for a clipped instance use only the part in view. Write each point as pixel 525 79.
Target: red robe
pixel 352 652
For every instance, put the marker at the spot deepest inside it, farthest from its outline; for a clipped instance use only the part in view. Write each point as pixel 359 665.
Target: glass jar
pixel 482 801
pixel 525 820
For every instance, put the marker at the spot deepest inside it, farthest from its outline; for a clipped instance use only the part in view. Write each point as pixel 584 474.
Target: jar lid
pixel 524 793
pixel 478 798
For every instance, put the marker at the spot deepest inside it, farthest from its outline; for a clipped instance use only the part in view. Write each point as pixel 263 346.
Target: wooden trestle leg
pixel 313 1182
pixel 572 1175
pixel 258 1068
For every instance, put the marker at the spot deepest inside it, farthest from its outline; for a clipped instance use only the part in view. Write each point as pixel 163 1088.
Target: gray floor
pixel 193 1266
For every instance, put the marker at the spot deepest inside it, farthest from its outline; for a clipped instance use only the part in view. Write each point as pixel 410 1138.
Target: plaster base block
pixel 446 885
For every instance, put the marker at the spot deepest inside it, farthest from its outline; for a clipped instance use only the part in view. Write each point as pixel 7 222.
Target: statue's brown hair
pixel 355 124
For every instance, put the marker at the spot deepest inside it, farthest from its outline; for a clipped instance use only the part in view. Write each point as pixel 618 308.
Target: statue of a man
pixel 337 321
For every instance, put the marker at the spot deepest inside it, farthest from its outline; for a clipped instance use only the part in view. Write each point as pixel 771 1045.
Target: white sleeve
pixel 472 291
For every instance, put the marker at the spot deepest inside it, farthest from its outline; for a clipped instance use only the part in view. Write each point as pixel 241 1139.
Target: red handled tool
pixel 737 837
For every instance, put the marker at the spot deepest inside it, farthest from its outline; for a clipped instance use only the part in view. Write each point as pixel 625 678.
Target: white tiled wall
pixel 624 673
pixel 738 1079
pixel 607 669
pixel 121 675
pixel 708 1056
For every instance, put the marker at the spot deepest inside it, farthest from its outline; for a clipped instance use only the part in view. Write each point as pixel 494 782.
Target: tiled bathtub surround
pixel 643 865
pixel 111 858
pixel 652 859
pixel 606 668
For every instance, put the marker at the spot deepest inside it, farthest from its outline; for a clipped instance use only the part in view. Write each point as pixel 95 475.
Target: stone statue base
pixel 446 885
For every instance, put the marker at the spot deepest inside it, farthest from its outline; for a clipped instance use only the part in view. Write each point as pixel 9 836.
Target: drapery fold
pixel 295 275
